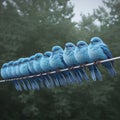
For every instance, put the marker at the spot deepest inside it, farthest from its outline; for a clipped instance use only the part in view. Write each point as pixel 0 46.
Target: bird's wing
pixel 61 56
pixel 106 51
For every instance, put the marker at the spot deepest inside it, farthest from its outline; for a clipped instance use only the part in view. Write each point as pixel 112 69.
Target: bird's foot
pixel 58 70
pixel 83 65
pixel 47 73
pixel 71 68
pixel 97 62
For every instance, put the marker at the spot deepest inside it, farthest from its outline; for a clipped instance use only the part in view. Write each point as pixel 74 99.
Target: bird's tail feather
pixel 46 82
pixel 92 72
pixel 70 77
pixel 51 81
pixel 24 85
pixel 28 84
pixel 110 68
pixel 78 75
pixel 17 86
pixel 61 80
pixel 65 78
pixel 82 72
pixel 55 79
pixel 97 73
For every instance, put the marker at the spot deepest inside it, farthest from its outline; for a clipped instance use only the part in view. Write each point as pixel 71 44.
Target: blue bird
pixel 36 63
pixel 30 65
pixel 69 58
pixel 82 57
pixel 24 71
pixel 98 50
pixel 3 71
pixel 8 69
pixel 45 65
pixel 13 71
pixel 31 62
pixel 56 62
pixel 15 74
pixel 35 68
pixel 24 67
pixel 10 75
pixel 32 69
pixel 17 67
pixel 55 59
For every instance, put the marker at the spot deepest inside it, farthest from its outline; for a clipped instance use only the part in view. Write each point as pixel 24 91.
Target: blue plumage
pixel 10 75
pixel 24 71
pixel 17 67
pixel 57 62
pixel 16 74
pixel 59 59
pixel 44 63
pixel 82 57
pixel 69 58
pixel 3 71
pixel 98 50
pixel 35 68
pixel 45 66
pixel 30 65
pixel 8 69
pixel 36 62
pixel 24 67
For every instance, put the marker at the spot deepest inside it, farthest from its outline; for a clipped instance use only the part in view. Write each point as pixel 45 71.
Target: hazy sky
pixel 84 6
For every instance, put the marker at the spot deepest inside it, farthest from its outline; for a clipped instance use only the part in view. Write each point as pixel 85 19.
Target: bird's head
pixel 96 40
pixel 20 60
pixel 11 62
pixel 38 55
pixel 47 54
pixel 25 60
pixel 32 57
pixel 4 65
pixel 81 44
pixel 69 46
pixel 56 49
pixel 15 62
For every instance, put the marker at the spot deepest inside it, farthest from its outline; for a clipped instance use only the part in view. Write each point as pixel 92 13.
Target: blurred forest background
pixel 31 26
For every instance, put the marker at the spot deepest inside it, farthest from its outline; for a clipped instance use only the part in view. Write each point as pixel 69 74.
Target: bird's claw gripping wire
pixel 97 62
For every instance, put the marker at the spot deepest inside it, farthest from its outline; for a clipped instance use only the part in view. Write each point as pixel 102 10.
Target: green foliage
pixel 36 27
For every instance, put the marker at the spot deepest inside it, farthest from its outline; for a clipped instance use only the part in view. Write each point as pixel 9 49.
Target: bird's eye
pixel 70 46
pixel 55 50
pixel 81 44
pixel 37 56
pixel 47 55
pixel 96 41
